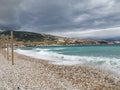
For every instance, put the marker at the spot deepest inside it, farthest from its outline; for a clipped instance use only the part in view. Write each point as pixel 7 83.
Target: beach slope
pixel 35 74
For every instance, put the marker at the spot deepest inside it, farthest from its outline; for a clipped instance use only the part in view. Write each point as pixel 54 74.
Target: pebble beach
pixel 34 74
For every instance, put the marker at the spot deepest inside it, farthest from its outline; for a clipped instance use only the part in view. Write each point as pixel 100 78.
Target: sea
pixel 106 57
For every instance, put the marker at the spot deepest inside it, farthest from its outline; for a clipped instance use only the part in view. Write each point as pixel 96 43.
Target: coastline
pixel 33 74
pixel 55 45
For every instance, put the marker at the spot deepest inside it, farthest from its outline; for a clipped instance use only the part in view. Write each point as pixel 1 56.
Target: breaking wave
pixel 61 59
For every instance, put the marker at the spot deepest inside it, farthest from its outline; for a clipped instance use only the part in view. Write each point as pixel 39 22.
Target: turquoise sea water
pixel 105 56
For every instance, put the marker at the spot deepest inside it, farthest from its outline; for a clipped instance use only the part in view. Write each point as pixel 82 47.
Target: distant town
pixel 22 38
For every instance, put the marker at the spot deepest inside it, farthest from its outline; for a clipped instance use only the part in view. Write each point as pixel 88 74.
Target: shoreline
pixel 65 45
pixel 39 74
pixel 52 61
pixel 106 71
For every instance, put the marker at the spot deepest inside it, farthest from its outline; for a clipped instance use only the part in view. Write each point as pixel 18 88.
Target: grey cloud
pixel 8 10
pixel 54 16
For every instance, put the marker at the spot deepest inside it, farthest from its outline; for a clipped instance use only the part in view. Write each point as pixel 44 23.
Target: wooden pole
pixel 0 45
pixel 4 46
pixel 12 48
pixel 7 42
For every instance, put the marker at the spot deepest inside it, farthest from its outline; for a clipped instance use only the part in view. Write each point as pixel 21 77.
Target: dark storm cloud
pixel 61 17
pixel 8 9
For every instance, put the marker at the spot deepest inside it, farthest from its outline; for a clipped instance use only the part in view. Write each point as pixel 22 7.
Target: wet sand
pixel 34 74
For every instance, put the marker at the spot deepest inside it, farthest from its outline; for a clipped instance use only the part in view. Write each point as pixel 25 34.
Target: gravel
pixel 34 74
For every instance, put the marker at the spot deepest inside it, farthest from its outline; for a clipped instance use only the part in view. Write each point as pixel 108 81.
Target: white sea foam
pixel 60 59
pixel 58 48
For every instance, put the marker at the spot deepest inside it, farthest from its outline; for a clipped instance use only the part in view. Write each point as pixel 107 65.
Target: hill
pixel 23 38
pixel 29 36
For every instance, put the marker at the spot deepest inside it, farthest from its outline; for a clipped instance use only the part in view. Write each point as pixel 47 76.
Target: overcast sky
pixel 72 18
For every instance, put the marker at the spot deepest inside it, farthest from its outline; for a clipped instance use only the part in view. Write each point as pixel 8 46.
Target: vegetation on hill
pixel 35 39
pixel 29 36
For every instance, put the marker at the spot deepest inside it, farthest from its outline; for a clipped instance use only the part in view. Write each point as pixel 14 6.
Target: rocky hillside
pixel 35 39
